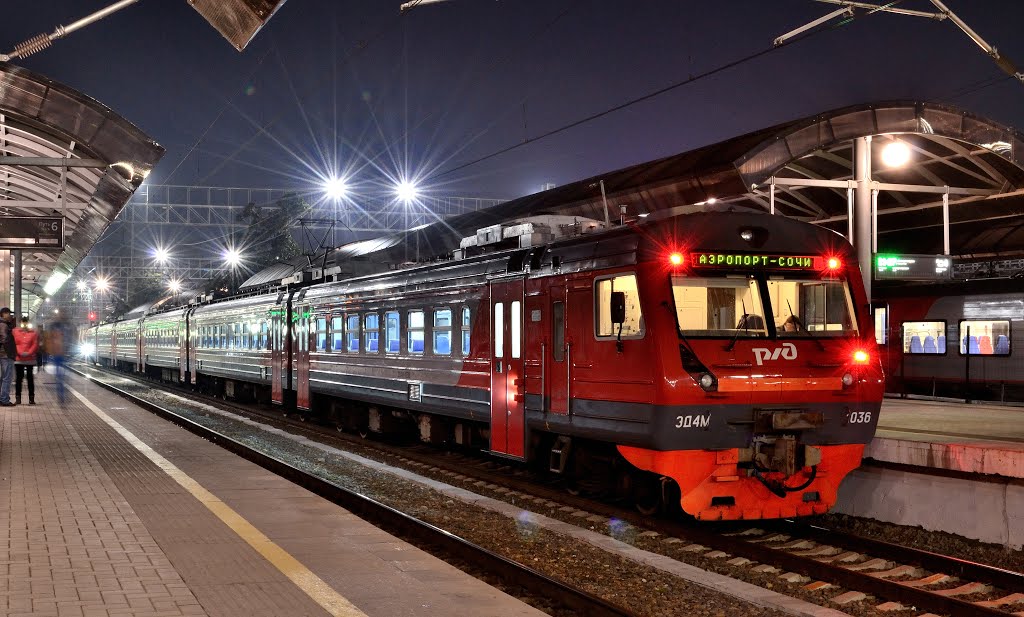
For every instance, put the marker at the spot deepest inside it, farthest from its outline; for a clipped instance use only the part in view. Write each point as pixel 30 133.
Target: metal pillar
pixel 864 233
pixel 5 278
pixel 16 280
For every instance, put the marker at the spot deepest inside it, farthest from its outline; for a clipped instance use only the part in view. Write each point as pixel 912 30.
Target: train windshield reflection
pixel 740 306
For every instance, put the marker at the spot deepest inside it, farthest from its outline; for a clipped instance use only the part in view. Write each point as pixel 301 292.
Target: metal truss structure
pixel 210 215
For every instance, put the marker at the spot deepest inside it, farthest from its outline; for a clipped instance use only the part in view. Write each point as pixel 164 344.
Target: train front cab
pixel 752 420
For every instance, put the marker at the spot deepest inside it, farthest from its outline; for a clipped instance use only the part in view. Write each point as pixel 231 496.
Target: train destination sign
pixel 913 267
pixel 36 232
pixel 760 262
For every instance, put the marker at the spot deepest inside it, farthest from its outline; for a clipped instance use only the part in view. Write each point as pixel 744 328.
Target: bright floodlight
pixel 174 285
pixel 406 191
pixel 102 284
pixel 232 257
pixel 895 154
pixel 161 254
pixel 336 188
pixel 82 285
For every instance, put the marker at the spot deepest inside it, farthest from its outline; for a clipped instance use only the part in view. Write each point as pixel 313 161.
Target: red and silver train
pixel 956 339
pixel 721 360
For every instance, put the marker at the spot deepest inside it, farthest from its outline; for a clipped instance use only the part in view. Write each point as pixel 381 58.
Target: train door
pixel 557 378
pixel 184 346
pixel 278 336
pixel 888 354
pixel 306 331
pixel 508 382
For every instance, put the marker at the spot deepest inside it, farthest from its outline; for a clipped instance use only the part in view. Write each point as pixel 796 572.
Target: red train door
pixel 306 327
pixel 508 382
pixel 557 379
pixel 278 335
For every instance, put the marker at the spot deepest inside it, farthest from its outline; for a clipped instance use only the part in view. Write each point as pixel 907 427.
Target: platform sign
pixel 35 232
pixel 913 267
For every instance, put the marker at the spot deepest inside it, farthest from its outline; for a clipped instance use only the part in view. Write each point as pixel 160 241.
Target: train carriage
pixel 164 344
pixel 127 351
pixel 103 339
pixel 230 348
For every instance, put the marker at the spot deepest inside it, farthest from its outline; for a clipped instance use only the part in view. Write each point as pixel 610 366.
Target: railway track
pixel 809 556
pixel 420 533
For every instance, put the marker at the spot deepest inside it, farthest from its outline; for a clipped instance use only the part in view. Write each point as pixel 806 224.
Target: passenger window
pixel 633 327
pixel 924 337
pixel 499 330
pixel 337 334
pixel 416 332
pixel 321 334
pixel 515 321
pixel 443 332
pixel 352 332
pixel 881 325
pixel 391 332
pixel 558 331
pixel 466 325
pixel 371 332
pixel 983 337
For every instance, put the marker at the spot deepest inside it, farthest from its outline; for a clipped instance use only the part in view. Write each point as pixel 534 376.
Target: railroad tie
pixel 871 564
pixel 963 590
pixel 1013 598
pixel 897 571
pixel 934 579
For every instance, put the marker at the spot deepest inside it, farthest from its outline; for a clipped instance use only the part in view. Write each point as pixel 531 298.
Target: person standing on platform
pixel 55 339
pixel 8 351
pixel 27 342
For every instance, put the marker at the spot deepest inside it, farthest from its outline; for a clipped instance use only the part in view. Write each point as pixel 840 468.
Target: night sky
pixel 340 84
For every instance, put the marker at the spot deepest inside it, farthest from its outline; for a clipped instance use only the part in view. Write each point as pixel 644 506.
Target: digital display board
pixel 756 261
pixel 19 232
pixel 913 267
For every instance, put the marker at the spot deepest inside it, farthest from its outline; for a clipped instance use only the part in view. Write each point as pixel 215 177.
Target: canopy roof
pixel 64 153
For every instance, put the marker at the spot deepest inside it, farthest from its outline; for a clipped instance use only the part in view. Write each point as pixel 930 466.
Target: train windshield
pixel 759 306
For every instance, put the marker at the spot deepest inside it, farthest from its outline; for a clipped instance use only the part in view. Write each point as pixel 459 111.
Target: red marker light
pixel 676 259
pixel 861 357
pixel 834 263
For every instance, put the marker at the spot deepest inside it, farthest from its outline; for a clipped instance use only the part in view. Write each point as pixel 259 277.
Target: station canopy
pixel 979 160
pixel 64 154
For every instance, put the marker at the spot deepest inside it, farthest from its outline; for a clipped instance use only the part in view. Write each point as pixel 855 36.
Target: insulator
pixel 35 44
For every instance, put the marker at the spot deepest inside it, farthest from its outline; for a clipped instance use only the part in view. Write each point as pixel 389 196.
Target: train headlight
pixel 847 380
pixel 87 349
pixel 861 357
pixel 707 381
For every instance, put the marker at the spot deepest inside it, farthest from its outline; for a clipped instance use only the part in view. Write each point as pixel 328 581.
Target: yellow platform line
pixel 311 584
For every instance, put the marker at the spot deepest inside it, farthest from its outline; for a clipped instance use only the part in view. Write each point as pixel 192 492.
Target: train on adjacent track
pixel 955 339
pixel 719 361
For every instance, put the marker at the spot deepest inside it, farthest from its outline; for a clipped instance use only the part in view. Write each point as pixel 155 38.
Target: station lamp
pixel 102 284
pixel 406 191
pixel 232 257
pixel 336 188
pixel 161 255
pixel 174 285
pixel 895 154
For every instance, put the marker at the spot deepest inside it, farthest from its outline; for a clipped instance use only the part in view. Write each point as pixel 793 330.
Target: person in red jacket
pixel 27 342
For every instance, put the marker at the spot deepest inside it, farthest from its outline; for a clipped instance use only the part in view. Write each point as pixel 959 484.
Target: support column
pixel 16 284
pixel 864 234
pixel 5 278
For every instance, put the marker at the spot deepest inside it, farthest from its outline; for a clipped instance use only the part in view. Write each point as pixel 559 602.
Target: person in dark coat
pixel 8 351
pixel 27 341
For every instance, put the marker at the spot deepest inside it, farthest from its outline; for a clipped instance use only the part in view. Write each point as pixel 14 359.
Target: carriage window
pixel 264 335
pixel 980 337
pixel 352 332
pixel 466 323
pixel 371 332
pixel 924 337
pixel 634 324
pixel 515 319
pixel 391 332
pixel 499 330
pixel 321 334
pixel 443 332
pixel 415 331
pixel 337 334
pixel 881 325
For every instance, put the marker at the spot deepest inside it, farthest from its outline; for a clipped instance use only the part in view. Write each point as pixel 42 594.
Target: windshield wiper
pixel 800 325
pixel 746 327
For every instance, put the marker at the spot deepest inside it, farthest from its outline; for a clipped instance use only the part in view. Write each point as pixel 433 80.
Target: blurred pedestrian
pixel 27 341
pixel 41 337
pixel 56 338
pixel 8 351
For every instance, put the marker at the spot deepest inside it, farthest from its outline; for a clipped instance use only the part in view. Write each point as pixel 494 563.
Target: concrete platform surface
pixel 972 438
pixel 107 510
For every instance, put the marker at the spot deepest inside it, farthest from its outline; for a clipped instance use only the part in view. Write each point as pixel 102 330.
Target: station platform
pixel 971 438
pixel 107 510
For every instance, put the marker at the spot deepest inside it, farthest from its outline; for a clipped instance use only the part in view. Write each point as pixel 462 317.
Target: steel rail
pixel 394 521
